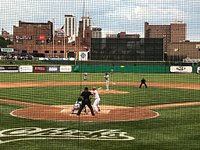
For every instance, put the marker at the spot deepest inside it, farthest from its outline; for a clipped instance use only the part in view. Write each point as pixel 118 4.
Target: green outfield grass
pixel 175 128
pixel 115 77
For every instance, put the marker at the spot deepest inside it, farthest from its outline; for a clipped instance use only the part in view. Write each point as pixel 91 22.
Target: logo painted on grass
pixel 34 133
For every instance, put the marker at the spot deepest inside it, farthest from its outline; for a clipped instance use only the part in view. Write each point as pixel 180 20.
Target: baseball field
pixel 35 112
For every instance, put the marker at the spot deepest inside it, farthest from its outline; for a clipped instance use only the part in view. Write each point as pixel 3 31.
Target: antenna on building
pixel 83 8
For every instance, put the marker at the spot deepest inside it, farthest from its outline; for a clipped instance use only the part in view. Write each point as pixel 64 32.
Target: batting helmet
pixel 94 88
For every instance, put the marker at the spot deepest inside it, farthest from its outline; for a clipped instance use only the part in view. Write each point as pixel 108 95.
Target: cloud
pixel 111 15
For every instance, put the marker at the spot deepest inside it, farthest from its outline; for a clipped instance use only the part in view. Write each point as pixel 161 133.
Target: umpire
pixel 86 95
pixel 143 81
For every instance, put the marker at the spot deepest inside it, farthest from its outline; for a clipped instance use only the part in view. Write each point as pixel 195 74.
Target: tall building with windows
pixel 175 32
pixel 70 26
pixel 175 43
pixel 84 23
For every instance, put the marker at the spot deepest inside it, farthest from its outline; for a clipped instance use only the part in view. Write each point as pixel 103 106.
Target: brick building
pixel 39 38
pixel 176 46
pixel 84 24
pixel 175 32
pixel 182 50
pixel 91 32
pixel 123 35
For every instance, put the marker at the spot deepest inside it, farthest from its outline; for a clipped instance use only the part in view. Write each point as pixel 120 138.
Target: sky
pixel 112 16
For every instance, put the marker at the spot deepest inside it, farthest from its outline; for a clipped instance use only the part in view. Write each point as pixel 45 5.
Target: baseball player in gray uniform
pixel 106 76
pixel 85 76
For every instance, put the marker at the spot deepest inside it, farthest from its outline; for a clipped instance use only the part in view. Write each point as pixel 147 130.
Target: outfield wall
pixel 127 69
pixel 35 69
pixel 99 69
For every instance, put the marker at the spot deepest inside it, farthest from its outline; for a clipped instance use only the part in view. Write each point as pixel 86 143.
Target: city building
pixel 70 26
pixel 176 46
pixel 84 23
pixel 96 32
pixel 177 51
pixel 111 35
pixel 38 38
pixel 91 32
pixel 175 32
pixel 125 35
pixel 122 35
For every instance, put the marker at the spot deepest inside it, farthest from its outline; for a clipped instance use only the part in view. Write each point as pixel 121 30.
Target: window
pixel 62 52
pixel 47 52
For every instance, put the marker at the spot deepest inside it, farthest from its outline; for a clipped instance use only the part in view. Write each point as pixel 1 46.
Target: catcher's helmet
pixel 80 98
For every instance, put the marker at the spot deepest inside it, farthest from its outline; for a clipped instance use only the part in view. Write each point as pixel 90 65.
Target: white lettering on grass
pixel 33 133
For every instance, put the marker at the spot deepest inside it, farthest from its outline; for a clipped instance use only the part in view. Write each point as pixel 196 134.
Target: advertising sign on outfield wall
pixel 198 70
pixel 39 69
pixel 65 68
pixel 9 68
pixel 53 68
pixel 181 69
pixel 25 68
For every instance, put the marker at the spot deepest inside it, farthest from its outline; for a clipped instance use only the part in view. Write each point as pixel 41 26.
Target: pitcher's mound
pixel 101 91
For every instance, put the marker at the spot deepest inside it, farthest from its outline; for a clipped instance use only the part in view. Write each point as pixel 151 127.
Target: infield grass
pixel 63 95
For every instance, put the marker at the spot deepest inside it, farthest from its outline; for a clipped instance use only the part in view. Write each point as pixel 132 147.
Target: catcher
pixel 77 106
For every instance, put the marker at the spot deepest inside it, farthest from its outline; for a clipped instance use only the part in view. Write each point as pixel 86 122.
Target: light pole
pixel 53 21
pixel 176 50
pixel 64 42
pixel 164 46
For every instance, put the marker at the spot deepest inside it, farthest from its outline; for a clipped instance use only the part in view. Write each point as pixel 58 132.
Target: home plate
pixel 65 111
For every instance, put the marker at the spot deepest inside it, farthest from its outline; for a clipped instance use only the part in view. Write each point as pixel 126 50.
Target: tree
pixel 4 43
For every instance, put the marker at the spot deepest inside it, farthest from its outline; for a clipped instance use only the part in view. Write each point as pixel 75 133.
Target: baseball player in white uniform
pixel 96 99
pixel 106 76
